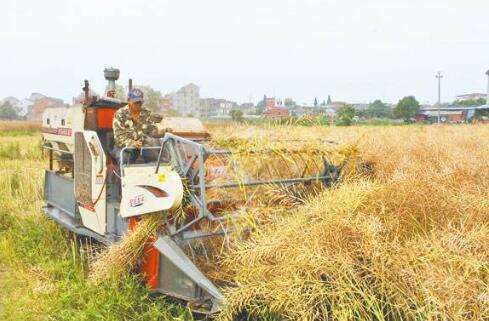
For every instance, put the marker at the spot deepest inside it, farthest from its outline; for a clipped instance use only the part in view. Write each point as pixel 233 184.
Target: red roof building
pixel 271 102
pixel 276 112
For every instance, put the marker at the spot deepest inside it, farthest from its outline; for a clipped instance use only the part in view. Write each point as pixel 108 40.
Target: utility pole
pixel 487 97
pixel 439 76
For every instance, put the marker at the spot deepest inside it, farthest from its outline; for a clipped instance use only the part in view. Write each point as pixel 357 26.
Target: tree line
pixel 405 109
pixel 9 112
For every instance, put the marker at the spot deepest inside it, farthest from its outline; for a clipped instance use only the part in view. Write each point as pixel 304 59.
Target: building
pixel 335 105
pixel 271 102
pixel 274 109
pixel 214 107
pixel 36 96
pixel 25 105
pixel 247 108
pixel 360 106
pixel 32 107
pixel 167 103
pixel 450 115
pixel 41 104
pixel 186 100
pixel 276 112
pixel 45 102
pixel 446 116
pixel 330 112
pixel 289 103
pixel 299 111
pixel 474 96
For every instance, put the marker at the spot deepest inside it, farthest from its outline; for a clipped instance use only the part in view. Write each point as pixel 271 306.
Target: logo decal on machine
pixel 137 200
pixel 63 131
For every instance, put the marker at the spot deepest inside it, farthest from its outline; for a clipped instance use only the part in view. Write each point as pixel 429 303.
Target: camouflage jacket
pixel 127 130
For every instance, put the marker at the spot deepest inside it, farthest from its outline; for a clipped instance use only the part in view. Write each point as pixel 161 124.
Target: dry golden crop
pixel 25 126
pixel 406 242
pixel 123 257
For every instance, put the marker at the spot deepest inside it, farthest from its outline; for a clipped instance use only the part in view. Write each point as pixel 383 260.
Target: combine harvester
pixel 85 194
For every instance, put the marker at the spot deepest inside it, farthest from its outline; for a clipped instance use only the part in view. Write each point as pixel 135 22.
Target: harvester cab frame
pixel 80 195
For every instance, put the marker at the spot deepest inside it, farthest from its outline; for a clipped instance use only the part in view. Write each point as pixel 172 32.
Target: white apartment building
pixel 186 100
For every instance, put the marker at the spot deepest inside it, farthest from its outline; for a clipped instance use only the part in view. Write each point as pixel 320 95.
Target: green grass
pixel 44 274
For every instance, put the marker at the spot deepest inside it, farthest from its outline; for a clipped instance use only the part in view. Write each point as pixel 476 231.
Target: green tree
pixel 120 92
pixel 7 111
pixel 152 98
pixel 237 115
pixel 378 109
pixel 345 115
pixel 406 108
pixel 260 107
pixel 289 103
pixel 361 113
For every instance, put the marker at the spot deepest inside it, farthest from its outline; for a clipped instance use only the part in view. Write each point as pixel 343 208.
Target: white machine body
pixel 93 213
pixel 144 191
pixel 59 125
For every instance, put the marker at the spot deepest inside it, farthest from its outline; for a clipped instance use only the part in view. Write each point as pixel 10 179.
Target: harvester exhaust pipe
pixel 111 75
pixel 86 90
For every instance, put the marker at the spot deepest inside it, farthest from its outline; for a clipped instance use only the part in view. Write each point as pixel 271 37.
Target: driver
pixel 134 126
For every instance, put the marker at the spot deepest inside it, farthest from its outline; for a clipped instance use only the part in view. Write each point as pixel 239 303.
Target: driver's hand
pixel 137 144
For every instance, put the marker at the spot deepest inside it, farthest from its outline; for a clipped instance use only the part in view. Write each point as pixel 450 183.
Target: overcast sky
pixel 355 50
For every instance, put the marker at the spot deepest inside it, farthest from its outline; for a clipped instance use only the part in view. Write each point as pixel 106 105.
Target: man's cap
pixel 135 95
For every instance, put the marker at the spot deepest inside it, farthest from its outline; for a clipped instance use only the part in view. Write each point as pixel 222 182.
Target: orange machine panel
pixel 151 263
pixel 105 117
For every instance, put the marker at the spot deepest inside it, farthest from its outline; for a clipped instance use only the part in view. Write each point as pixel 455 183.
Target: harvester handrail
pixel 121 155
pixel 168 137
pixel 56 149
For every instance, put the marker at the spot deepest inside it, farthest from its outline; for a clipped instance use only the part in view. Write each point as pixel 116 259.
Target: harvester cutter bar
pixel 269 182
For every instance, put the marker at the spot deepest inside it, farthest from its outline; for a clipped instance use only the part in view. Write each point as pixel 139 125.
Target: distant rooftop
pixel 471 96
pixel 455 108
